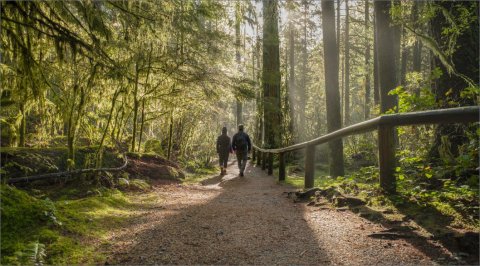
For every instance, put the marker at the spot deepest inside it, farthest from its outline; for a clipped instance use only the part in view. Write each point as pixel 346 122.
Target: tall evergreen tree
pixel 271 74
pixel 367 62
pixel 347 66
pixel 238 20
pixel 385 50
pixel 331 87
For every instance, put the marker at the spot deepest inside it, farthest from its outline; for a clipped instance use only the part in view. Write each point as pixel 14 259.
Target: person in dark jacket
pixel 242 145
pixel 223 149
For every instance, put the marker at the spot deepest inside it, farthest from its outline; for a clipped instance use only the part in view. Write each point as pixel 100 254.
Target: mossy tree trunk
pixel 331 87
pixel 449 87
pixel 271 74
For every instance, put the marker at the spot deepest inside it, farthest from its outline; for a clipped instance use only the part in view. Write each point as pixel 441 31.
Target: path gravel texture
pixel 249 220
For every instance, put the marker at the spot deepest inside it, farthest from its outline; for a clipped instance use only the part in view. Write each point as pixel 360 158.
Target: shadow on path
pixel 243 220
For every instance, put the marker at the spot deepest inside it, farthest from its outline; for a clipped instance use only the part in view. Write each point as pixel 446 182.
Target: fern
pixel 33 254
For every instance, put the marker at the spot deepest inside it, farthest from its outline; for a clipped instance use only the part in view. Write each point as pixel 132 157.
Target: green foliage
pixel 408 101
pixel 44 231
pixel 112 60
pixel 154 145
pixel 22 219
pixel 33 254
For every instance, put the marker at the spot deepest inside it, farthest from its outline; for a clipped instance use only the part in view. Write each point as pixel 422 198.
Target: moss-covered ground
pixel 40 226
pixel 68 222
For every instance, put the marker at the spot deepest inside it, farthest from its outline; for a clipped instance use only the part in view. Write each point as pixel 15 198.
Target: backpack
pixel 241 142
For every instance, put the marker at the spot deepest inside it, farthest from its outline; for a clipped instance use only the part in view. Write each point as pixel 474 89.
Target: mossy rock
pixel 139 185
pixel 348 202
pixel 168 172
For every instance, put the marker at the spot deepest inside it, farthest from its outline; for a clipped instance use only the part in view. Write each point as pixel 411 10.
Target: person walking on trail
pixel 223 149
pixel 241 145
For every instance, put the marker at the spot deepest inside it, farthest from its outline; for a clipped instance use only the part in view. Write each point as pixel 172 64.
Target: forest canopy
pixel 165 76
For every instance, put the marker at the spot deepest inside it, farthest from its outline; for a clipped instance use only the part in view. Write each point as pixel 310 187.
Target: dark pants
pixel 242 160
pixel 223 159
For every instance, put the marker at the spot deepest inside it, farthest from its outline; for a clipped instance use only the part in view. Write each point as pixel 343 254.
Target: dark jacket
pixel 237 135
pixel 223 144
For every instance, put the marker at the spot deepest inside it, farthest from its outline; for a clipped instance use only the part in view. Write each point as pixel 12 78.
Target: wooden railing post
pixel 254 155
pixel 281 167
pixel 310 166
pixel 386 154
pixel 264 160
pixel 270 163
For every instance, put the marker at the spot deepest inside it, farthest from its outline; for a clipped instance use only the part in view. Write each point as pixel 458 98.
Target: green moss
pixel 197 172
pixel 68 251
pixel 63 226
pixel 139 185
pixel 22 218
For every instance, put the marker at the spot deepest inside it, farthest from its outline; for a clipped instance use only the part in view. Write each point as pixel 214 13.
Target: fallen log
pixel 67 173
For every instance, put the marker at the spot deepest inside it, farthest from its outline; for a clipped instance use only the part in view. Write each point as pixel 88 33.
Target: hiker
pixel 241 145
pixel 223 149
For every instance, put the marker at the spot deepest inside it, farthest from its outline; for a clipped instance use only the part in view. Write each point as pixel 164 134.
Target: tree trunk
pixel 23 125
pixel 271 74
pixel 397 44
pixel 238 18
pixel 465 59
pixel 142 124
pixel 331 87
pixel 347 67
pixel 338 29
pixel 120 123
pixel 70 131
pixel 302 90
pixel 376 90
pixel 387 70
pixel 339 57
pixel 294 107
pixel 288 105
pixel 105 131
pixel 367 63
pixel 386 38
pixel 405 53
pixel 135 107
pixel 417 48
pixel 259 97
pixel 170 136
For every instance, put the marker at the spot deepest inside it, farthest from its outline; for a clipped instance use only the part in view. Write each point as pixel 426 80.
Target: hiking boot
pixel 241 173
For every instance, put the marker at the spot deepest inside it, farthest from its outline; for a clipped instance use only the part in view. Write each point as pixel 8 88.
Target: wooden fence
pixel 385 125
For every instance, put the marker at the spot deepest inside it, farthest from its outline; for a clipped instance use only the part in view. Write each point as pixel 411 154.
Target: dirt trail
pixel 249 220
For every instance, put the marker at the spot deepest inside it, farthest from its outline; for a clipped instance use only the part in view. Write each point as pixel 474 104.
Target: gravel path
pixel 249 220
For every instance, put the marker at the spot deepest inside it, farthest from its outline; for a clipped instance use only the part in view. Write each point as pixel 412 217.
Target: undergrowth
pixel 453 201
pixel 40 228
pixel 198 170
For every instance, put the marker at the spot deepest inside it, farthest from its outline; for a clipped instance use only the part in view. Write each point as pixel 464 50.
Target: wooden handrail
pixel 441 116
pixel 385 125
